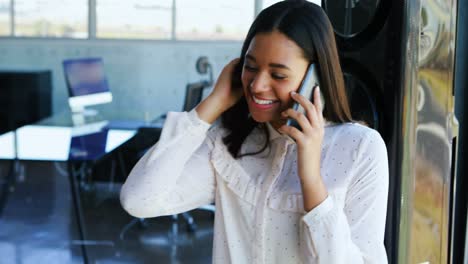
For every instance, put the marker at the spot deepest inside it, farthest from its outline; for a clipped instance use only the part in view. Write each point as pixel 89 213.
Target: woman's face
pixel 273 67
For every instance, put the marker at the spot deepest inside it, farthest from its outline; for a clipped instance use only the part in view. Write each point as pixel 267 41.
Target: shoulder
pixel 370 158
pixel 353 132
pixel 349 129
pixel 356 139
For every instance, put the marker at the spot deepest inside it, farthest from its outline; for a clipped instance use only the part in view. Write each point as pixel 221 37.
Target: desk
pixel 49 143
pixel 55 139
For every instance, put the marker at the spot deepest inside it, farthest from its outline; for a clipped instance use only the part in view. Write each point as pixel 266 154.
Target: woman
pixel 317 194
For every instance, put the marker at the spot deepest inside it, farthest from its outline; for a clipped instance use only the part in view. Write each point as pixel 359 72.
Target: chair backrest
pixel 193 95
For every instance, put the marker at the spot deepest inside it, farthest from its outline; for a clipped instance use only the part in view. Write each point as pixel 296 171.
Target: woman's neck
pixel 276 124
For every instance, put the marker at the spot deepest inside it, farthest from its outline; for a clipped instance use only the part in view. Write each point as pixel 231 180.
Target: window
pixel 51 18
pixel 213 19
pixel 5 17
pixel 267 3
pixel 135 19
pixel 129 19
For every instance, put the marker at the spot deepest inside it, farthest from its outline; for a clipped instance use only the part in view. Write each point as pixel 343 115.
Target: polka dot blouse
pixel 260 215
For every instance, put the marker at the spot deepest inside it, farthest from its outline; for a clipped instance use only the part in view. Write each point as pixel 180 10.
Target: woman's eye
pixel 278 76
pixel 249 68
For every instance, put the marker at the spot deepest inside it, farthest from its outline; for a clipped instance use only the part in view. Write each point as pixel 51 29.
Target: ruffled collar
pixel 274 134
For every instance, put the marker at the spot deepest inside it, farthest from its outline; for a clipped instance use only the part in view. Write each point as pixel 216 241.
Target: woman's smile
pixel 262 103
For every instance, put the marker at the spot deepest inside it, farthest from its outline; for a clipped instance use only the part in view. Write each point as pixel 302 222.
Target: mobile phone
pixel 307 88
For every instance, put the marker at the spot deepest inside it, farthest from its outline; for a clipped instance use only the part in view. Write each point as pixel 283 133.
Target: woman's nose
pixel 259 84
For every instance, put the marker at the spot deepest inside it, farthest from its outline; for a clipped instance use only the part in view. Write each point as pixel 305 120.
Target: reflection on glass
pixel 137 19
pixel 5 17
pixel 213 19
pixel 350 17
pixel 430 215
pixel 51 18
pixel 431 32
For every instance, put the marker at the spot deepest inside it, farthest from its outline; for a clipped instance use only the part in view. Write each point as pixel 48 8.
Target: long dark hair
pixel 308 26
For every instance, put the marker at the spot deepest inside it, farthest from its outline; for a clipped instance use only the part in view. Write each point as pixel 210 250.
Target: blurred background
pixel 85 86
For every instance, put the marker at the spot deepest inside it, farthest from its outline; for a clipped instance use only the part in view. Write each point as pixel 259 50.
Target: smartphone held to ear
pixel 307 88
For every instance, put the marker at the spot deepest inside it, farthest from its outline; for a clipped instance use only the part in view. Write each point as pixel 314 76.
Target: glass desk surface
pixel 64 136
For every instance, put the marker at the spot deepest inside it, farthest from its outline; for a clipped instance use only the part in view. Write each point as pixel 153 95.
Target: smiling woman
pixel 319 198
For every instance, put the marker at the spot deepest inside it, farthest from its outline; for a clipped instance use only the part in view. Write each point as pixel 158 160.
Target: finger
pixel 313 117
pixel 301 119
pixel 318 99
pixel 316 116
pixel 303 101
pixel 292 132
pixel 308 106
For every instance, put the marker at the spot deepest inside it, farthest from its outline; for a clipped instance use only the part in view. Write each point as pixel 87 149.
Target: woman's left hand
pixel 309 140
pixel 309 146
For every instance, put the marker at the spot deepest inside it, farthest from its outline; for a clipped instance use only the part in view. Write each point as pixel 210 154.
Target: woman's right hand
pixel 223 96
pixel 223 89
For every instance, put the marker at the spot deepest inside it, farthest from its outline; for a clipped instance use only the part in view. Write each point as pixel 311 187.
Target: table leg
pixel 75 189
pixel 9 183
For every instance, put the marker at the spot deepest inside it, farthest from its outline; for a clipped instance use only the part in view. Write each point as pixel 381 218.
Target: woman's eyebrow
pixel 250 57
pixel 273 65
pixel 278 65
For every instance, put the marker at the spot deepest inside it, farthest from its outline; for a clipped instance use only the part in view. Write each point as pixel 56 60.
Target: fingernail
pixel 293 93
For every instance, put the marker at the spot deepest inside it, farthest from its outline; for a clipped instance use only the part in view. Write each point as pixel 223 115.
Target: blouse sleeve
pixel 175 175
pixel 354 234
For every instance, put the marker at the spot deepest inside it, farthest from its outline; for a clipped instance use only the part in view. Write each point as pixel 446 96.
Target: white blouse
pixel 260 216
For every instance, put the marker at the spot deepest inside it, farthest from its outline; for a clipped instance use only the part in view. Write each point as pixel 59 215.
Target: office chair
pixel 194 91
pixel 193 94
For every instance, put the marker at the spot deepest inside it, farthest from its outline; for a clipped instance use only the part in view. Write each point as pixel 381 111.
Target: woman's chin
pixel 261 118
